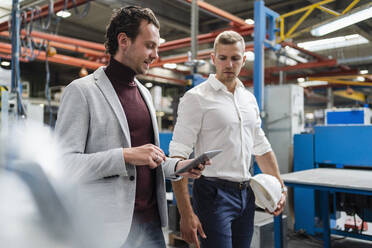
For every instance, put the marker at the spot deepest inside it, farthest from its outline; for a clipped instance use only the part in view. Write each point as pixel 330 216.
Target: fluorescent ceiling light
pixel 249 55
pixel 148 85
pixel 309 116
pixel 182 68
pixel 295 54
pixel 5 63
pixel 63 13
pixel 300 80
pixel 170 65
pixel 363 72
pixel 312 83
pixel 287 61
pixel 249 21
pixel 361 14
pixel 332 43
pixel 161 40
pixel 360 79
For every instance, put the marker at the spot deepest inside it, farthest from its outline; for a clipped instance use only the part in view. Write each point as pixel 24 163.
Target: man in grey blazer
pixel 108 123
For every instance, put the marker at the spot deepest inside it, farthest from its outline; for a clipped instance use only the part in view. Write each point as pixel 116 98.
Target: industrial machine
pixel 342 147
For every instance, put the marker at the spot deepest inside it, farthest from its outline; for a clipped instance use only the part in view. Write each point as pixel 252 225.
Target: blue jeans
pixel 226 214
pixel 145 235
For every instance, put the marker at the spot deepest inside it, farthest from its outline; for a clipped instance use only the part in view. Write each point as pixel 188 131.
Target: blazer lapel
pixel 104 84
pixel 147 97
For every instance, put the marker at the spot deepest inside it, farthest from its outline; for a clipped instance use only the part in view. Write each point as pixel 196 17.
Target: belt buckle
pixel 241 185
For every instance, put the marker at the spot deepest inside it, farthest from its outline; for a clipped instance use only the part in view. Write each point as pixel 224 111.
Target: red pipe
pixel 58 58
pixel 75 48
pixel 67 40
pixel 315 55
pixel 177 81
pixel 203 38
pixel 324 63
pixel 183 58
pixel 213 9
pixel 44 11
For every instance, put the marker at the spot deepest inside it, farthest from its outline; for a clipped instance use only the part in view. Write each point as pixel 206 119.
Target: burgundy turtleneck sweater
pixel 141 133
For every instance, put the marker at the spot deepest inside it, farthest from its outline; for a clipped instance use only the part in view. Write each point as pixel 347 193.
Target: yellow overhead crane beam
pixel 308 10
pixel 351 94
pixel 345 80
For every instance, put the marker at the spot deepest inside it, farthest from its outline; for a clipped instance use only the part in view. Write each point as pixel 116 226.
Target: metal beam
pixel 310 65
pixel 67 40
pixel 75 48
pixel 237 21
pixel 203 38
pixel 58 58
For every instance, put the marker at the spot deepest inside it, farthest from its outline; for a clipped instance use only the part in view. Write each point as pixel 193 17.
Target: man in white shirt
pixel 221 114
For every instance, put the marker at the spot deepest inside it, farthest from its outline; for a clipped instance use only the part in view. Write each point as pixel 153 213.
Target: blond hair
pixel 228 38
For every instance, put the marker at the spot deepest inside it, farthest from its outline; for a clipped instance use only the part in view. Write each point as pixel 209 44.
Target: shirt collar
pixel 218 85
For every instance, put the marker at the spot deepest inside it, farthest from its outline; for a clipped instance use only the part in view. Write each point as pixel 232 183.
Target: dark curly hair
pixel 127 20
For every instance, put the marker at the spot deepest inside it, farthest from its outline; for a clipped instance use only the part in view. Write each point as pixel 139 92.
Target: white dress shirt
pixel 210 118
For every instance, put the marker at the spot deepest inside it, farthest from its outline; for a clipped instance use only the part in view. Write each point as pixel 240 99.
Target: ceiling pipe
pixel 183 58
pixel 59 5
pixel 5 51
pixel 57 58
pixel 309 65
pixel 67 40
pixel 203 38
pixel 66 46
pixel 237 21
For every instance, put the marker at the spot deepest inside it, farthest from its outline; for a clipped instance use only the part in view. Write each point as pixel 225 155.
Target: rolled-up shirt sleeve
pixel 260 143
pixel 187 126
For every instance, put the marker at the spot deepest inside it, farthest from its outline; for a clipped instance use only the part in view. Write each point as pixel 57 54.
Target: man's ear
pixel 123 41
pixel 213 57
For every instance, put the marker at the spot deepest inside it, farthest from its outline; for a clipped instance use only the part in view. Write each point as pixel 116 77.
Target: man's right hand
pixel 190 226
pixel 148 154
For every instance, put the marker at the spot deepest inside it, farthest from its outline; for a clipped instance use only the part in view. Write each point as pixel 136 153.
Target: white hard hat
pixel 267 190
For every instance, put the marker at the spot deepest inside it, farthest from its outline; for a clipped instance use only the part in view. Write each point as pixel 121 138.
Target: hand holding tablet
pixel 199 160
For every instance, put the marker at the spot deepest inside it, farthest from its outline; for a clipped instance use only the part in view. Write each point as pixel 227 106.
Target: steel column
pixel 261 14
pixel 259 55
pixel 325 218
pixel 16 87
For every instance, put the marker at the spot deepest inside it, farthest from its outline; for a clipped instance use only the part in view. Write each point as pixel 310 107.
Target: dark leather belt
pixel 226 183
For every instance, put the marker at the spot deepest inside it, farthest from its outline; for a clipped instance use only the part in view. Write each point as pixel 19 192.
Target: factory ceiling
pixel 175 19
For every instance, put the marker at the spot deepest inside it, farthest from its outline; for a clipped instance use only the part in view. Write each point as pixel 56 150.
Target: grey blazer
pixel 94 128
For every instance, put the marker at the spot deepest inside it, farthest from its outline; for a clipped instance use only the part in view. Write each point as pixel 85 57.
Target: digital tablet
pixel 199 160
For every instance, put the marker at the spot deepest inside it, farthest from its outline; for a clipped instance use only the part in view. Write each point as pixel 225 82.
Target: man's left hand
pixel 280 207
pixel 193 173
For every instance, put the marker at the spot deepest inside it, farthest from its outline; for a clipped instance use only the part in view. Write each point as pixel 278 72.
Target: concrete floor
pixel 298 240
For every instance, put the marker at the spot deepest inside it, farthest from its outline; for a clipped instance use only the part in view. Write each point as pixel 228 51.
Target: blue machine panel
pixel 343 145
pixel 304 199
pixel 165 138
pixel 345 117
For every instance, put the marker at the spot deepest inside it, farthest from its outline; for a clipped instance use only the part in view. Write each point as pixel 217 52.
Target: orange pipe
pixel 67 60
pixel 315 55
pixel 177 81
pixel 236 20
pixel 309 65
pixel 65 46
pixel 44 11
pixel 203 38
pixel 58 58
pixel 183 58
pixel 67 40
